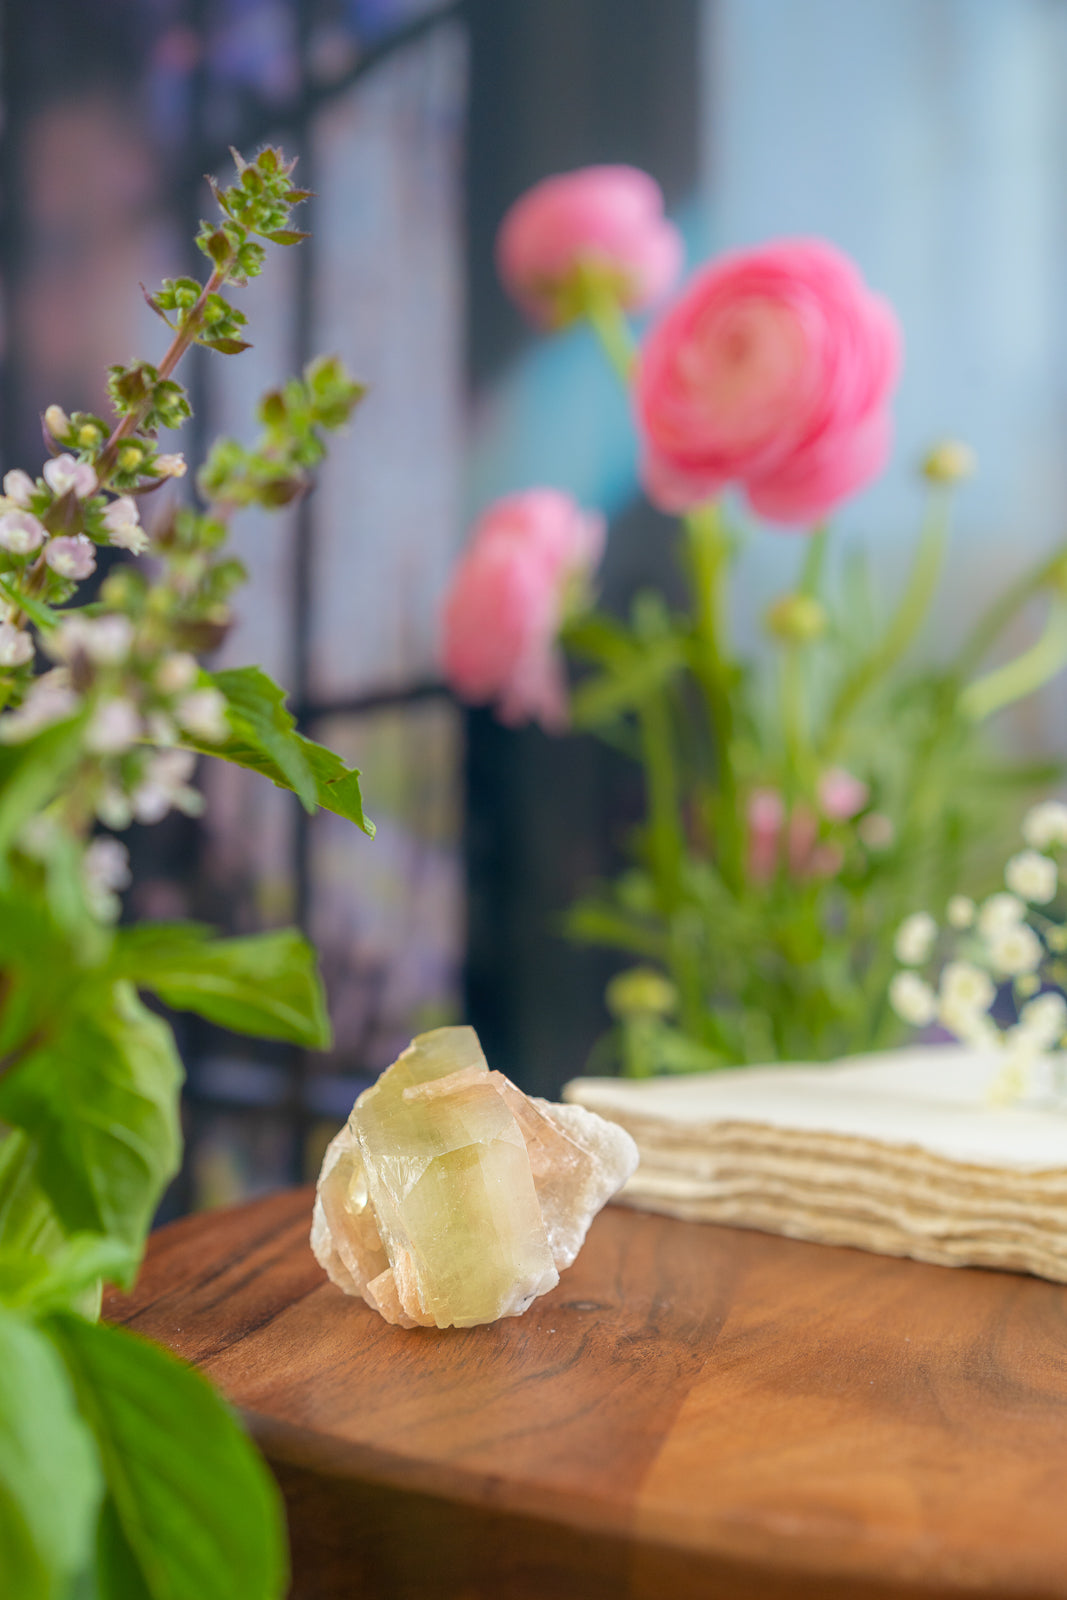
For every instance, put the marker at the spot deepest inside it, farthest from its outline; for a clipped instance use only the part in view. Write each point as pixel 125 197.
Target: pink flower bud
pixel 18 486
pixel 73 556
pixel 114 727
pixel 766 816
pixel 65 474
pixel 507 600
pixel 773 370
pixel 124 527
pixel 16 647
pixel 21 533
pixel 605 219
pixel 841 796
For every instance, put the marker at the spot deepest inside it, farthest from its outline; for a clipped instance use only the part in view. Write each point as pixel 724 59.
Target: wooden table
pixel 694 1411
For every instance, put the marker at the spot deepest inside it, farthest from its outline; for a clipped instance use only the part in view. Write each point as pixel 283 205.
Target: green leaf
pixel 31 774
pixel 226 347
pixel 57 1282
pixel 286 236
pixel 626 686
pixel 44 616
pixel 264 739
pixel 50 1482
pixel 259 719
pixel 101 1099
pixel 267 984
pixel 199 1514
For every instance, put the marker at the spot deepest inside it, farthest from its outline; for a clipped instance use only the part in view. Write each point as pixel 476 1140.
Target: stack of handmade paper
pixel 904 1153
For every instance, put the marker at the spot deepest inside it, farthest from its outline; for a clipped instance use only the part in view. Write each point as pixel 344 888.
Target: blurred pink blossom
pixel 609 219
pixel 773 835
pixel 842 796
pixel 773 370
pixel 507 599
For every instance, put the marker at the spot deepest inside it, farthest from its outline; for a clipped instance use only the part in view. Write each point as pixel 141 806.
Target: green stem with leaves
pixel 708 557
pixel 1025 674
pixel 904 624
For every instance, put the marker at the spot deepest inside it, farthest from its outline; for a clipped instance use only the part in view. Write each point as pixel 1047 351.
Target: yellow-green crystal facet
pixel 450 1199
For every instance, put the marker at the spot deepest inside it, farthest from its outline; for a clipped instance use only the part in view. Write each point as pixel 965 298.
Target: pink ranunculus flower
pixel 772 371
pixel 507 599
pixel 608 219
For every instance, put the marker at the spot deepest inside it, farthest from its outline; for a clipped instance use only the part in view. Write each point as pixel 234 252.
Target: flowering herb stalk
pixel 111 1451
pixel 796 806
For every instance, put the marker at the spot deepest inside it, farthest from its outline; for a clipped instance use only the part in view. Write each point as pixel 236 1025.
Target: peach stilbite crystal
pixel 450 1198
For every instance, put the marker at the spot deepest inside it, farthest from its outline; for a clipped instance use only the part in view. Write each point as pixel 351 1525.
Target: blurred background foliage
pixel 925 137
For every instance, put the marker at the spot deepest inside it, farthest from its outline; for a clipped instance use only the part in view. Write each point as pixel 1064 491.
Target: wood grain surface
pixel 694 1411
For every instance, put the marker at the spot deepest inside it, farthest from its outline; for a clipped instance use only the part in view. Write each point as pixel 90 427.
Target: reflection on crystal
pixel 450 1198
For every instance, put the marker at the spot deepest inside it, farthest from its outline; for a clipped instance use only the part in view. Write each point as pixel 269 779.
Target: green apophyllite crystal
pixel 450 1199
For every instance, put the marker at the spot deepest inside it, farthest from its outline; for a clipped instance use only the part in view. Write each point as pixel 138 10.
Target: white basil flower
pixel 18 486
pixel 21 533
pixel 65 473
pixel 72 556
pixel 16 647
pixel 1000 911
pixel 203 714
pixel 1015 950
pixel 1046 824
pixel 123 525
pixel 915 938
pixel 964 984
pixel 960 911
pixel 912 999
pixel 1032 876
pixel 114 727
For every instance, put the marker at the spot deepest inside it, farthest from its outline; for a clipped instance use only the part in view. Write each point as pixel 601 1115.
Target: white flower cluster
pixel 1013 938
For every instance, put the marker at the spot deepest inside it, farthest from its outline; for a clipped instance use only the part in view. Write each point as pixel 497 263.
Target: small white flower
pixel 50 699
pixel 170 466
pixel 915 938
pixel 1046 824
pixel 124 526
pixel 960 911
pixel 165 785
pixel 107 864
pixel 1044 1020
pixel 105 640
pixel 21 533
pixel 912 999
pixel 970 1027
pixel 1032 876
pixel 1000 911
pixel 18 486
pixel 177 672
pixel 1014 950
pixel 57 422
pixel 114 727
pixel 964 984
pixel 203 714
pixel 73 556
pixel 16 647
pixel 64 474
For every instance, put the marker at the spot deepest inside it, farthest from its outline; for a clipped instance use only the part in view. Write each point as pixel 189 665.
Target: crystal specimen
pixel 449 1198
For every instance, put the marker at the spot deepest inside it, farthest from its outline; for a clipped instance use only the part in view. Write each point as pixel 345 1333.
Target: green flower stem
pixel 795 726
pixel 989 627
pixel 708 565
pixel 605 316
pixel 811 574
pixel 667 852
pixel 1022 676
pixel 186 335
pixel 666 845
pixel 905 622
